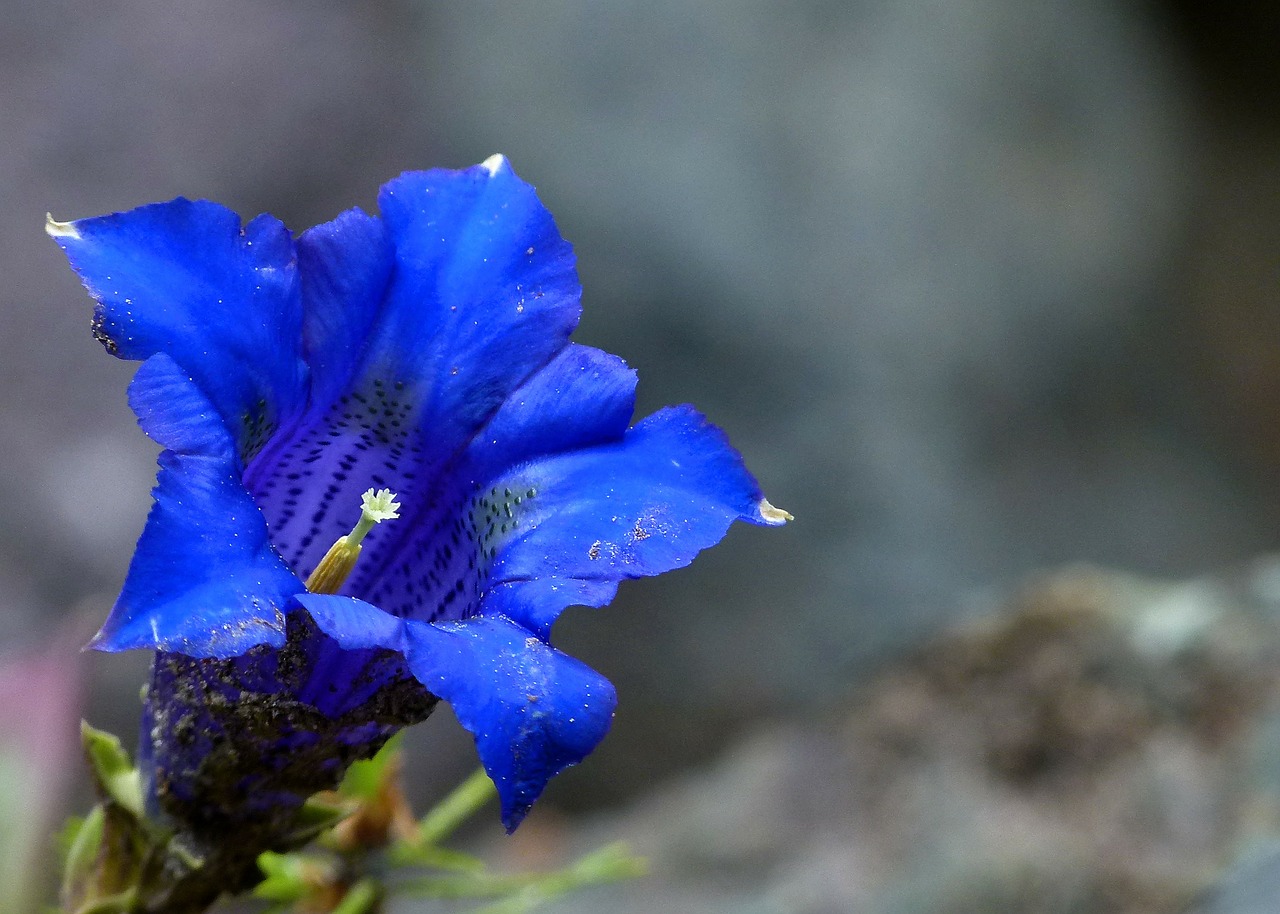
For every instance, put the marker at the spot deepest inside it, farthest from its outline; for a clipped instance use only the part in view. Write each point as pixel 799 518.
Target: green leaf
pixel 314 818
pixel 361 898
pixel 112 770
pixel 121 903
pixel 82 841
pixel 520 892
pixel 433 857
pixel 364 778
pixel 289 877
pixel 613 863
pixel 466 885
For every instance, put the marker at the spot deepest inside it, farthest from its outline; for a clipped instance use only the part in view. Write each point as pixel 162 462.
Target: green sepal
pixel 81 839
pixel 121 903
pixel 106 859
pixel 365 778
pixel 113 772
pixel 288 876
pixel 315 818
pixel 362 898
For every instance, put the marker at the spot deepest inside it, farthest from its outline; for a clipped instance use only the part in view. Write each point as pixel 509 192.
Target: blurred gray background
pixel 979 287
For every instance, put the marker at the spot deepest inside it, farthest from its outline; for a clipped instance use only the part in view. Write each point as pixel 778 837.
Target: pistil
pixel 336 566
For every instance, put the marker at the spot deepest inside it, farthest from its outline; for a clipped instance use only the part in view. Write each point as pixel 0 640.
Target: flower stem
pixel 519 892
pixel 362 898
pixel 456 808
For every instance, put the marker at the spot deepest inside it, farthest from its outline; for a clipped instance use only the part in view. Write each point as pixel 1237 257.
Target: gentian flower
pixel 294 384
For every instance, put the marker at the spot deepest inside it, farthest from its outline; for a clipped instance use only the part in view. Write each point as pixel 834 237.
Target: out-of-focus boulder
pixel 917 257
pixel 1104 744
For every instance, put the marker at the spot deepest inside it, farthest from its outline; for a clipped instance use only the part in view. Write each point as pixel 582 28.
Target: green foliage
pixel 364 778
pixel 519 892
pixel 364 847
pixel 355 877
pixel 315 818
pixel 289 877
pixel 113 772
pixel 82 839
pixel 108 853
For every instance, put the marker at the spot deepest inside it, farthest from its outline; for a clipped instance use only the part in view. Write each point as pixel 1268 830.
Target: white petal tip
pixel 773 515
pixel 494 164
pixel 58 229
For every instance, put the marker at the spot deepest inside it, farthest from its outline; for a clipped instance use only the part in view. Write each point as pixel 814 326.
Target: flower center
pixel 336 566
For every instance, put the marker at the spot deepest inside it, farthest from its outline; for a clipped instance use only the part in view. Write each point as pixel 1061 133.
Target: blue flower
pixel 426 351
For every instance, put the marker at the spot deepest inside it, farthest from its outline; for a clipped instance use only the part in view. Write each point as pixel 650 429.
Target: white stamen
pixel 494 163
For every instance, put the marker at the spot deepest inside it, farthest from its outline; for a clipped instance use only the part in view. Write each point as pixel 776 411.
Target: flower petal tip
pixel 494 164
pixel 57 229
pixel 771 515
pixel 98 642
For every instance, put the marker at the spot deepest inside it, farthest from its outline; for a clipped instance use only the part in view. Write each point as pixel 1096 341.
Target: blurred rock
pixel 929 249
pixel 1251 887
pixel 1092 748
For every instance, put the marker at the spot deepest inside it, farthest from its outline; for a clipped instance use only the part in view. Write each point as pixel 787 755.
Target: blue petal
pixel 486 292
pixel 354 624
pixel 204 580
pixel 184 278
pixel 533 710
pixel 537 602
pixel 345 267
pixel 432 567
pixel 583 398
pixel 361 650
pixel 482 294
pixel 643 506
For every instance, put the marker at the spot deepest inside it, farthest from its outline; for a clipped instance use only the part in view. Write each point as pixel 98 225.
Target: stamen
pixel 338 562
